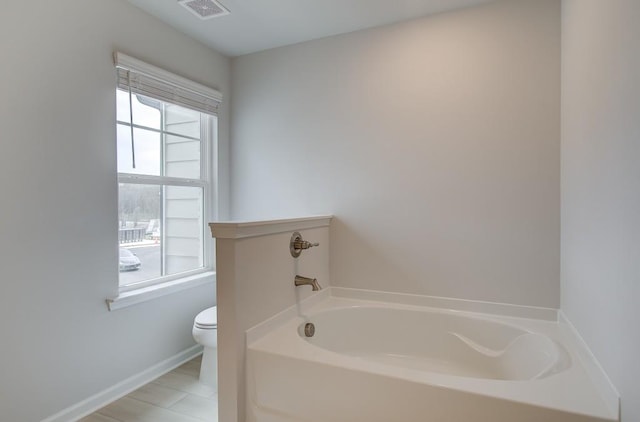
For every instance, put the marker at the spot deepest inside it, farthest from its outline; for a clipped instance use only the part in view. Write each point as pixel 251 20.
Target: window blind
pixel 142 78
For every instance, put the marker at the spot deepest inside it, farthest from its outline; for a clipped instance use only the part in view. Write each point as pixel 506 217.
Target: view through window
pixel 163 189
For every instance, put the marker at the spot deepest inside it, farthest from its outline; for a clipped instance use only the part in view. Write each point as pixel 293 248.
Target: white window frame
pixel 156 287
pixel 205 182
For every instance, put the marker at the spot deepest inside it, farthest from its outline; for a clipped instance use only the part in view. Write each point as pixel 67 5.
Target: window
pixel 165 132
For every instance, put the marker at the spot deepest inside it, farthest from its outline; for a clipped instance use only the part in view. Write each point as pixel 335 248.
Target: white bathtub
pixel 372 361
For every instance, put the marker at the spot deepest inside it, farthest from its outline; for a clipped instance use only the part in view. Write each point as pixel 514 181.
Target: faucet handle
pixel 303 244
pixel 297 244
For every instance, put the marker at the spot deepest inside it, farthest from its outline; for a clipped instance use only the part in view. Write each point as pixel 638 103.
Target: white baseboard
pixel 121 389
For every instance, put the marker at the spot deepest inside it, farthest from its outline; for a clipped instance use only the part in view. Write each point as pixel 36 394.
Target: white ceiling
pixel 256 25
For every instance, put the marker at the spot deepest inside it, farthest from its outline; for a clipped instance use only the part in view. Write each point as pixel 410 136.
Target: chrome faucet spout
pixel 306 281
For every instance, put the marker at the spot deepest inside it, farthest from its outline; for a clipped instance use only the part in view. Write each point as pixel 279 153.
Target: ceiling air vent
pixel 204 9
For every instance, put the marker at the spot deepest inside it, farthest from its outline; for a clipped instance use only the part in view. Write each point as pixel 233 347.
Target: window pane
pixel 182 121
pixel 160 231
pixel 182 157
pixel 122 106
pixel 184 234
pixel 139 232
pixel 147 112
pixel 147 151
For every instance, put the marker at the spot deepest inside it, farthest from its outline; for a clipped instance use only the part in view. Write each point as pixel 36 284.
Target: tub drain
pixel 309 329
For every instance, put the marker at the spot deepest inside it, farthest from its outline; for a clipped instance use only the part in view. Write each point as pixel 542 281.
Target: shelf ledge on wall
pixel 244 229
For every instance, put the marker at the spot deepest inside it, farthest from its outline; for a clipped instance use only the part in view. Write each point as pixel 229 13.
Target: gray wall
pixel 435 143
pixel 601 185
pixel 58 254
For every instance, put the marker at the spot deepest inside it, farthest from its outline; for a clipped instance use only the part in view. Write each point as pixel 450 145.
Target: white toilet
pixel 205 332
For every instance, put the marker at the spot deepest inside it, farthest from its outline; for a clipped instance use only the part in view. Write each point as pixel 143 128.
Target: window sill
pixel 133 297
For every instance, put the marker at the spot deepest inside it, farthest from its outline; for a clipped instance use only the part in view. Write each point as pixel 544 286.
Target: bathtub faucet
pixel 306 281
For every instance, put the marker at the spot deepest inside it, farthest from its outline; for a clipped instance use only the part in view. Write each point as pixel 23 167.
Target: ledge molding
pixel 246 229
pixel 144 294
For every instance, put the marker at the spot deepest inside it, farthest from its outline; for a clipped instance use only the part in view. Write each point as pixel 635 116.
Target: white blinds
pixel 151 81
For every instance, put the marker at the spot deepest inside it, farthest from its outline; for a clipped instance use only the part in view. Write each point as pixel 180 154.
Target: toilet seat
pixel 207 319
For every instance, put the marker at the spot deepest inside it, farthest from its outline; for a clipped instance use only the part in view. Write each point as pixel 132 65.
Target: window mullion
pixel 164 132
pixel 159 180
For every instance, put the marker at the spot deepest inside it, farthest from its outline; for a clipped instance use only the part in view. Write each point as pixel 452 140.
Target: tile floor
pixel 174 397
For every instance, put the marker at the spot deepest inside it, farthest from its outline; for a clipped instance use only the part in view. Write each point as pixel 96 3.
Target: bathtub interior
pixel 437 342
pixel 374 361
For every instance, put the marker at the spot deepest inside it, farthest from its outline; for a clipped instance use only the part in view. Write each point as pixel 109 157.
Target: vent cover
pixel 205 9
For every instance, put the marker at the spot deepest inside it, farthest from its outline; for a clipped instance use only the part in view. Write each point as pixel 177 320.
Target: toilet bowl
pixel 205 332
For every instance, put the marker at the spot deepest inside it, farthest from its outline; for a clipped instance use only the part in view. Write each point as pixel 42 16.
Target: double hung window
pixel 166 127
